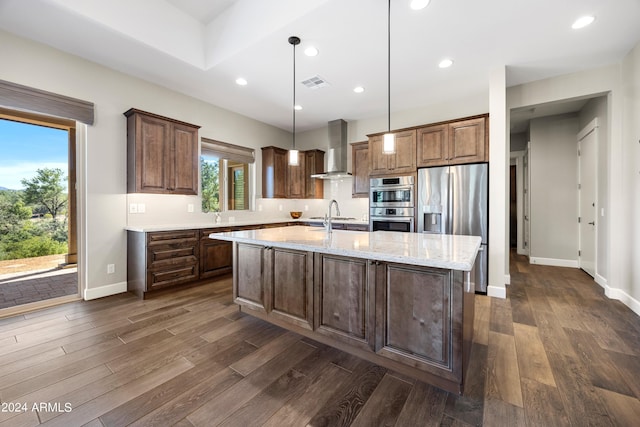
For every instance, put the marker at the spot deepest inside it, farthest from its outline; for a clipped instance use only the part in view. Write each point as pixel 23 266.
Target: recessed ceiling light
pixel 311 51
pixel 418 4
pixel 583 22
pixel 358 89
pixel 297 107
pixel 240 81
pixel 445 63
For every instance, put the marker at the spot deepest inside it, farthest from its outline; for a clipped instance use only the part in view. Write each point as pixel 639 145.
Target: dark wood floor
pixel 556 352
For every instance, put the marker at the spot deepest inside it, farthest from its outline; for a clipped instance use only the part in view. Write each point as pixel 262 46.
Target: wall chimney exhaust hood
pixel 337 152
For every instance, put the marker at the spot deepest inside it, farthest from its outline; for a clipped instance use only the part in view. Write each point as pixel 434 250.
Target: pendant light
pixel 294 158
pixel 389 139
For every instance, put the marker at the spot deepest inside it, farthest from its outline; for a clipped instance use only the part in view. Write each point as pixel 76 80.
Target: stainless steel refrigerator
pixel 454 200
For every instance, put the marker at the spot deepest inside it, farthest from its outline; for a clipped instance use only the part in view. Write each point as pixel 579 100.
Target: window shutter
pixel 19 97
pixel 227 151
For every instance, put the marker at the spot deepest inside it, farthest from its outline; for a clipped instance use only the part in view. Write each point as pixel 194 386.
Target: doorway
pixel 38 246
pixel 513 207
pixel 588 197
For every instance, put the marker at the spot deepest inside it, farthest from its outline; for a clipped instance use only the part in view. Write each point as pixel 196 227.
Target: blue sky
pixel 25 148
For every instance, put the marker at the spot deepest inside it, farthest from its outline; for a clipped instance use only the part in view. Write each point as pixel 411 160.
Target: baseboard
pixel 601 281
pixel 554 262
pixel 105 291
pixel 624 298
pixel 497 291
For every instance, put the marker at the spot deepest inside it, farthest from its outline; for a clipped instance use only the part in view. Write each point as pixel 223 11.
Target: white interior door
pixel 587 170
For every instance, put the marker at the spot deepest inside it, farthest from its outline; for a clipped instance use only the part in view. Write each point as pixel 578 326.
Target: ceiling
pixel 200 47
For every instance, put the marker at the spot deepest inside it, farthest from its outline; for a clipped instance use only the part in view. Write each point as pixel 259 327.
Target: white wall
pixel 553 163
pixel 597 108
pixel 113 93
pixel 629 279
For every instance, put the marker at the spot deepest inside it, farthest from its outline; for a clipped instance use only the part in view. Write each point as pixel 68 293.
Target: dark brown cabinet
pixel 161 259
pixel 360 169
pixel 277 282
pixel 415 320
pixel 216 256
pixel 457 142
pixel 419 314
pixel 313 163
pixel 403 161
pixel 345 300
pixel 274 173
pixel 162 154
pixel 280 181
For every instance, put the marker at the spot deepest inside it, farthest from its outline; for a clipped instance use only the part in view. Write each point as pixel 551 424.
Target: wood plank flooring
pixel 556 352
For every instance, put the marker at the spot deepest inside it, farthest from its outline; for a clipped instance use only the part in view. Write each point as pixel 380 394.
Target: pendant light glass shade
pixel 389 143
pixel 294 158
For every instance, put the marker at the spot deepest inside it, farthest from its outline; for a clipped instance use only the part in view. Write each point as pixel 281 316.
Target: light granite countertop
pixel 236 223
pixel 429 250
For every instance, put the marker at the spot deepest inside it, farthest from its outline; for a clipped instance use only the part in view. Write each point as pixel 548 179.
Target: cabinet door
pixel 432 145
pixel 313 163
pixel 360 169
pixel 295 177
pixel 378 161
pixel 415 315
pixel 404 160
pixel 467 141
pixel 274 173
pixel 215 257
pixel 183 162
pixel 251 283
pixel 344 300
pixel 292 294
pixel 151 149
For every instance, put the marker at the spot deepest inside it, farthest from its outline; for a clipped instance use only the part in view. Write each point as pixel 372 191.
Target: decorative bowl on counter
pixel 295 215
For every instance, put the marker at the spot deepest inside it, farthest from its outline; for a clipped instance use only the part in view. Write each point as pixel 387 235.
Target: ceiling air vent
pixel 315 82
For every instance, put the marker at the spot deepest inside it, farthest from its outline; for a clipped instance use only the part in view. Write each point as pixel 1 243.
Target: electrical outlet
pixel 190 208
pixel 111 268
pixel 142 208
pixel 306 207
pixel 259 208
pixel 280 208
pixel 133 208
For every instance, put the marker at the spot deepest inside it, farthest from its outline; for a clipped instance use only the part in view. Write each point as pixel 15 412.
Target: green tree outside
pixel 23 236
pixel 210 170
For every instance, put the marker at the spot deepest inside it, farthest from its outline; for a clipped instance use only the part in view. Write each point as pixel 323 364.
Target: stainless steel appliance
pixel 391 204
pixel 454 200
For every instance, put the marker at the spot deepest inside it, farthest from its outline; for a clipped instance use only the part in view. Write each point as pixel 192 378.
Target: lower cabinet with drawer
pixel 158 260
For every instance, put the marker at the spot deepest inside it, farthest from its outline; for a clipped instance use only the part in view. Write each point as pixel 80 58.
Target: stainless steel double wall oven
pixel 392 204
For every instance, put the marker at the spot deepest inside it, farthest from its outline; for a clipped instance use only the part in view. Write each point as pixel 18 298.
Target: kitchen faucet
pixel 327 217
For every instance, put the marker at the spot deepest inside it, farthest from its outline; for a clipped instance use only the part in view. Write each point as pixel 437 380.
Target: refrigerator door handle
pixel 450 187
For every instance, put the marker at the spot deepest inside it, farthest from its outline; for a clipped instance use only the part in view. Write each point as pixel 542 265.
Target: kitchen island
pixel 401 300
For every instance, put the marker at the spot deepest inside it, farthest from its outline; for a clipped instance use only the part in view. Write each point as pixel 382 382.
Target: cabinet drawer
pixel 181 273
pixel 172 237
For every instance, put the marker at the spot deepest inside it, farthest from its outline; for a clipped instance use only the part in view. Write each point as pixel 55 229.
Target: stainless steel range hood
pixel 336 152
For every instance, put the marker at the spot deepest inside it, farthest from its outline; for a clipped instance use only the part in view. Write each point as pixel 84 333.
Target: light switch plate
pixel 133 208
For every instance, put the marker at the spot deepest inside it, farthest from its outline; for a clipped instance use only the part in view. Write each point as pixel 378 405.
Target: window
pixel 226 173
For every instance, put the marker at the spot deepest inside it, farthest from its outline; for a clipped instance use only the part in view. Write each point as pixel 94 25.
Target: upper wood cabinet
pixel 403 161
pixel 360 169
pixel 280 181
pixel 274 173
pixel 313 163
pixel 162 154
pixel 458 142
